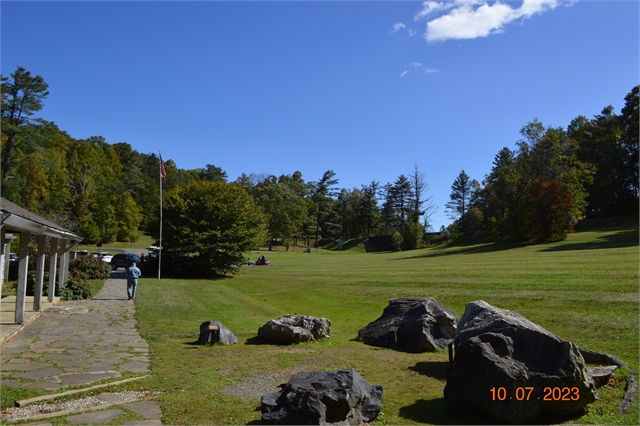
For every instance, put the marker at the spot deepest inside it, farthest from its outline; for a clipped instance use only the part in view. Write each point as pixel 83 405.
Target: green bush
pixel 31 283
pixel 397 240
pixel 412 236
pixel 76 287
pixel 95 268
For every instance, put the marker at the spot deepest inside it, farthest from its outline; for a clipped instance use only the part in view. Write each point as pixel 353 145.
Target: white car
pixel 104 256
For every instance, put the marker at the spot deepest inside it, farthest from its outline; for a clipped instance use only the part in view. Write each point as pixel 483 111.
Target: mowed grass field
pixel 584 290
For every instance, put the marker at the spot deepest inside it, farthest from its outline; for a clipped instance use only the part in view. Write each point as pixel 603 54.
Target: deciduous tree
pixel 214 222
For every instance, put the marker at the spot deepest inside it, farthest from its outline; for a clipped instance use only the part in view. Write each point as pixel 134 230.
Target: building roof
pixel 16 218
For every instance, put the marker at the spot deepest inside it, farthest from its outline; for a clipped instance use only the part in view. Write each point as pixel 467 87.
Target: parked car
pixel 104 256
pixel 123 260
pixel 82 253
pixel 13 257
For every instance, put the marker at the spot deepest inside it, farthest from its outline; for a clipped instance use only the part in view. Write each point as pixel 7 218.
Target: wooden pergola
pixel 16 220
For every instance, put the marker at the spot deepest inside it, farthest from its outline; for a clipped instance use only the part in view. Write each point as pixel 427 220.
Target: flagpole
pixel 160 242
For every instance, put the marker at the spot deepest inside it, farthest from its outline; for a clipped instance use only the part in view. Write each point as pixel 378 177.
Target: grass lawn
pixel 143 242
pixel 584 290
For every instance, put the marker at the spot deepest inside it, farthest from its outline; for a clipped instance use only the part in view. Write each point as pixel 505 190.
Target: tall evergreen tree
pixel 402 198
pixel 460 196
pixel 22 96
pixel 323 196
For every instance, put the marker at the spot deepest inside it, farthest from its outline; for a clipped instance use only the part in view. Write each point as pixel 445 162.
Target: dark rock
pixel 412 324
pixel 630 395
pixel 295 329
pixel 601 375
pixel 502 351
pixel 340 397
pixel 591 357
pixel 221 335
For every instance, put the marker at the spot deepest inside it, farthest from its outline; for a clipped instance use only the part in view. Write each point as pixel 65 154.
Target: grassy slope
pixel 584 289
pixel 143 242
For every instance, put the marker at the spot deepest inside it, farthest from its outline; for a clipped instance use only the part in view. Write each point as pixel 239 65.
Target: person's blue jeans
pixel 131 288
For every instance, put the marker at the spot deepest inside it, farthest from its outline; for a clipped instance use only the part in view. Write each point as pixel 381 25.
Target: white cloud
pixel 418 65
pixel 468 19
pixel 412 32
pixel 429 7
pixel 397 27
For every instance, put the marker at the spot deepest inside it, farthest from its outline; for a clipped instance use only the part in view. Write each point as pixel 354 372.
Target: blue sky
pixel 366 89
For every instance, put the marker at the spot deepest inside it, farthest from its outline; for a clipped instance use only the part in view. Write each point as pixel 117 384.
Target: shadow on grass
pixel 258 341
pixel 618 240
pixel 436 369
pixel 435 412
pixel 473 249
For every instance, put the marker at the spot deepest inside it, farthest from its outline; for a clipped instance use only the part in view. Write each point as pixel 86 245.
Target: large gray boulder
pixel 295 329
pixel 513 370
pixel 412 324
pixel 221 335
pixel 339 397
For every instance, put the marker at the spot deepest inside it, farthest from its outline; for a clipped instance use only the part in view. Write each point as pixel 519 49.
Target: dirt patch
pixel 254 387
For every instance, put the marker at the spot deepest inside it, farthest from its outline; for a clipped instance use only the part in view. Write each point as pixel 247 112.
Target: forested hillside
pixel 536 191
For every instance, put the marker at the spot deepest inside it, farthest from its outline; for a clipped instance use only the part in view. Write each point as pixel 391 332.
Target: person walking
pixel 133 273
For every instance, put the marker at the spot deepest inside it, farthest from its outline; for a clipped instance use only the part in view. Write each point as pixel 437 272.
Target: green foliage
pixel 213 223
pixel 473 220
pixel 93 267
pixel 76 287
pixel 412 236
pixel 212 173
pixel 460 196
pixel 323 193
pixel 286 210
pixel 546 214
pixel 397 240
pixel 128 218
pixel 22 96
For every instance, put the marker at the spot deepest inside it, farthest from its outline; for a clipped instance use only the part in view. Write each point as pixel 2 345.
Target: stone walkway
pixel 76 343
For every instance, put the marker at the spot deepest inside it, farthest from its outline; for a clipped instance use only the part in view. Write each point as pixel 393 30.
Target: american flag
pixel 163 172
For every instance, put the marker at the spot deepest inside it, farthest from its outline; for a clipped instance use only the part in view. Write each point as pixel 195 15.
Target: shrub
pixel 397 239
pixel 95 268
pixel 412 235
pixel 31 283
pixel 76 287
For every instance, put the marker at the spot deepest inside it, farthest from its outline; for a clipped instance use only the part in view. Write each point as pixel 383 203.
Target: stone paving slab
pixel 87 378
pixel 41 373
pixel 78 341
pixel 96 418
pixel 149 410
pixel 50 384
pixel 27 366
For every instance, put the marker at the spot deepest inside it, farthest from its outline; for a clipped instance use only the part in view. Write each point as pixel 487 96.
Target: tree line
pixel 553 178
pixel 108 192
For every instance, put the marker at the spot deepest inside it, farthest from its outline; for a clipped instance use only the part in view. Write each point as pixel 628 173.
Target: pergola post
pixel 61 277
pixel 37 290
pixel 3 255
pixel 66 257
pixel 53 264
pixel 23 267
